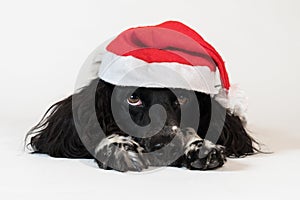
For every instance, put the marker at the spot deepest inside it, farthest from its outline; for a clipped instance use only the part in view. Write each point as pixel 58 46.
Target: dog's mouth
pixel 168 144
pixel 167 139
pixel 161 138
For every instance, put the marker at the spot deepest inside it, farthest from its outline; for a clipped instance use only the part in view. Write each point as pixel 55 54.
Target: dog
pixel 128 128
pixel 56 134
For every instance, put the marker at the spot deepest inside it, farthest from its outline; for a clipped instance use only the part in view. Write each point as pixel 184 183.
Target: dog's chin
pixel 157 139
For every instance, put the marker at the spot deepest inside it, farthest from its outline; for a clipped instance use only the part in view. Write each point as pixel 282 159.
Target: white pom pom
pixel 234 100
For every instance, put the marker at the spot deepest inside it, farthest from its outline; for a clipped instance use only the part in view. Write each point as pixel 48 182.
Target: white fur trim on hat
pixel 130 71
pixel 234 100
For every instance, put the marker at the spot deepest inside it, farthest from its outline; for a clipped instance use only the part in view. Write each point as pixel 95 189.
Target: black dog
pixel 70 129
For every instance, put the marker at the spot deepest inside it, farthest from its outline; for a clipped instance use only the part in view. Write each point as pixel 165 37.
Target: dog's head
pixel 151 114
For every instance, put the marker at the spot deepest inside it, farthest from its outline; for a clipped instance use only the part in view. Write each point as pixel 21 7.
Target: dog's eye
pixel 181 100
pixel 134 100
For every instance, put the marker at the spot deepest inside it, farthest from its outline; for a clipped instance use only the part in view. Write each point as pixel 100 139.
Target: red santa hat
pixel 168 55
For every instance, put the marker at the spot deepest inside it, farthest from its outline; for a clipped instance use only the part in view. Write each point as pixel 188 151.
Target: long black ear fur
pixel 235 138
pixel 224 128
pixel 56 133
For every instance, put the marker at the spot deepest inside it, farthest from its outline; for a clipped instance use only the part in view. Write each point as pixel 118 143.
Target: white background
pixel 44 43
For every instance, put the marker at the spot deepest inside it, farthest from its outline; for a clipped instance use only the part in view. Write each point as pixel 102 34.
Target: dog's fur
pixel 69 130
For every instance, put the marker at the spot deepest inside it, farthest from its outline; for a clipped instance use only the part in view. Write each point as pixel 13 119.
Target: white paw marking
pixel 192 137
pixel 114 138
pixel 209 145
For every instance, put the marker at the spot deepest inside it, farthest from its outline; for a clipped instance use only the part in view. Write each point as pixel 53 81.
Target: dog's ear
pixel 221 126
pixel 235 137
pixel 57 135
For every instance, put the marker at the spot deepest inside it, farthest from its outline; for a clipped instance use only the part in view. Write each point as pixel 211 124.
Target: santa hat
pixel 169 55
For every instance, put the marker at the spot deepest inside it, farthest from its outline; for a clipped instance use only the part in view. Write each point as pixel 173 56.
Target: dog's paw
pixel 204 155
pixel 120 153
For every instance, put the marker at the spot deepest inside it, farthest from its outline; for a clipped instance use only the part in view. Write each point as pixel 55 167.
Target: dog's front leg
pixel 201 154
pixel 121 153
